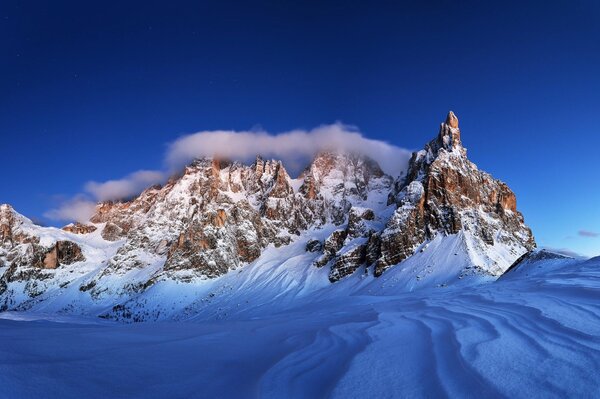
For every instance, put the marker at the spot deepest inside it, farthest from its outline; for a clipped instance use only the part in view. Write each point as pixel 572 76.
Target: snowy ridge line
pixel 223 237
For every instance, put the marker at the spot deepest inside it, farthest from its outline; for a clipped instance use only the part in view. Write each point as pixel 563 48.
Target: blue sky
pixel 97 91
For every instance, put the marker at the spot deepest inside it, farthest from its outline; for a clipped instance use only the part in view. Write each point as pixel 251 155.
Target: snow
pixel 438 324
pixel 533 333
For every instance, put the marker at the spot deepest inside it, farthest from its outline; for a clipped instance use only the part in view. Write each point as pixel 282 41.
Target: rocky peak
pixel 340 175
pixel 449 135
pixel 445 193
pixel 10 226
pixel 259 165
pixel 218 215
pixel 7 213
pixel 6 222
pixel 446 146
pixel 452 120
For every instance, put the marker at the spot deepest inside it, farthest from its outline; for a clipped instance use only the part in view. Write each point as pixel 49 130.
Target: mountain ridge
pixel 219 216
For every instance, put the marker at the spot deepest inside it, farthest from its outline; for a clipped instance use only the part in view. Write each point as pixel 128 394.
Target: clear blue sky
pixel 95 91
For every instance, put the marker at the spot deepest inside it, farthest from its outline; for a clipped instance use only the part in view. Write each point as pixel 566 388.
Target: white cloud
pixel 78 209
pixel 126 187
pixel 295 148
pixel 82 206
pixel 291 147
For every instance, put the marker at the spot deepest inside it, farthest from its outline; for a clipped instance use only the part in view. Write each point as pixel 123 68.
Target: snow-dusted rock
pixel 441 221
pixel 444 193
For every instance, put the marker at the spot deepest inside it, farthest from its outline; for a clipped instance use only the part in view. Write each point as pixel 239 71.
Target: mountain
pixel 222 233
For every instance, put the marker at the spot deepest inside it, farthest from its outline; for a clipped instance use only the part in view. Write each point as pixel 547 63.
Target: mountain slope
pixel 224 234
pixel 517 337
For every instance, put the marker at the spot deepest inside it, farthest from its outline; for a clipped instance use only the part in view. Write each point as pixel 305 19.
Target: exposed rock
pixel 314 246
pixel 373 249
pixel 62 253
pixel 348 263
pixel 357 222
pixel 191 250
pixel 332 244
pixel 362 237
pixel 217 216
pixel 7 222
pixel 444 193
pixel 452 120
pixel 79 228
pixel 68 252
pixel 112 232
pixel 11 233
pixel 220 218
pixel 530 258
pixel 51 259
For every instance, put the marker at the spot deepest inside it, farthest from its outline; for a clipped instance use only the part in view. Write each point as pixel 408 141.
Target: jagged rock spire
pixel 445 193
pixel 452 120
pixel 449 137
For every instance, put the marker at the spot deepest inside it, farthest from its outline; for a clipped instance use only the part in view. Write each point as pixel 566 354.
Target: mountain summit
pixel 444 218
pixel 444 193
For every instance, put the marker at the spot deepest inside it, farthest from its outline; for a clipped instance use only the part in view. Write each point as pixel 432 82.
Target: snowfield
pixel 533 333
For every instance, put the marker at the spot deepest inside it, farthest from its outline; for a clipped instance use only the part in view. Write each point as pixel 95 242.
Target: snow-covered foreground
pixel 533 333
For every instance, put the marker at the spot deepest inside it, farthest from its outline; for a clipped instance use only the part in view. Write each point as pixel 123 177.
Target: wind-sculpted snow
pixel 533 333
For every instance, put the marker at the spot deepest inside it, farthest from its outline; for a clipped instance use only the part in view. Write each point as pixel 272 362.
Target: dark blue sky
pixel 96 91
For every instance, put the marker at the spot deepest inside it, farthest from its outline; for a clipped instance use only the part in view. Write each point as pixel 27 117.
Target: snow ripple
pixel 520 337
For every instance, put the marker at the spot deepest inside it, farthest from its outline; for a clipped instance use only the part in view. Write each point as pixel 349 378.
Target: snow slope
pixel 281 279
pixel 533 333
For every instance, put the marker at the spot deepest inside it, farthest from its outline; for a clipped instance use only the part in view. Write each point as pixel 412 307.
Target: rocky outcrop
pixel 217 216
pixel 350 248
pixel 80 228
pixel 62 253
pixel 444 193
pixel 11 231
pixel 528 261
pixel 452 120
pixel 314 245
pixel 348 262
pixel 29 255
pixel 331 246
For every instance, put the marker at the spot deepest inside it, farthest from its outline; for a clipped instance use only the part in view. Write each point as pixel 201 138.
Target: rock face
pixel 27 256
pixel 444 193
pixel 217 216
pixel 21 246
pixel 63 253
pixel 352 247
pixel 79 228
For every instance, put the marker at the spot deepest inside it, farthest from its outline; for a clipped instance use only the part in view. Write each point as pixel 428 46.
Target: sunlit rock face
pixel 79 228
pixel 27 257
pixel 217 217
pixel 444 193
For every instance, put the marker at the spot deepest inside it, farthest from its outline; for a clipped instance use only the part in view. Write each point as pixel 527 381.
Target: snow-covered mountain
pixel 224 237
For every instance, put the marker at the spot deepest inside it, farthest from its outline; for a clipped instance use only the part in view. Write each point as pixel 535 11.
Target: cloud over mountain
pixel 128 186
pixel 80 209
pixel 295 148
